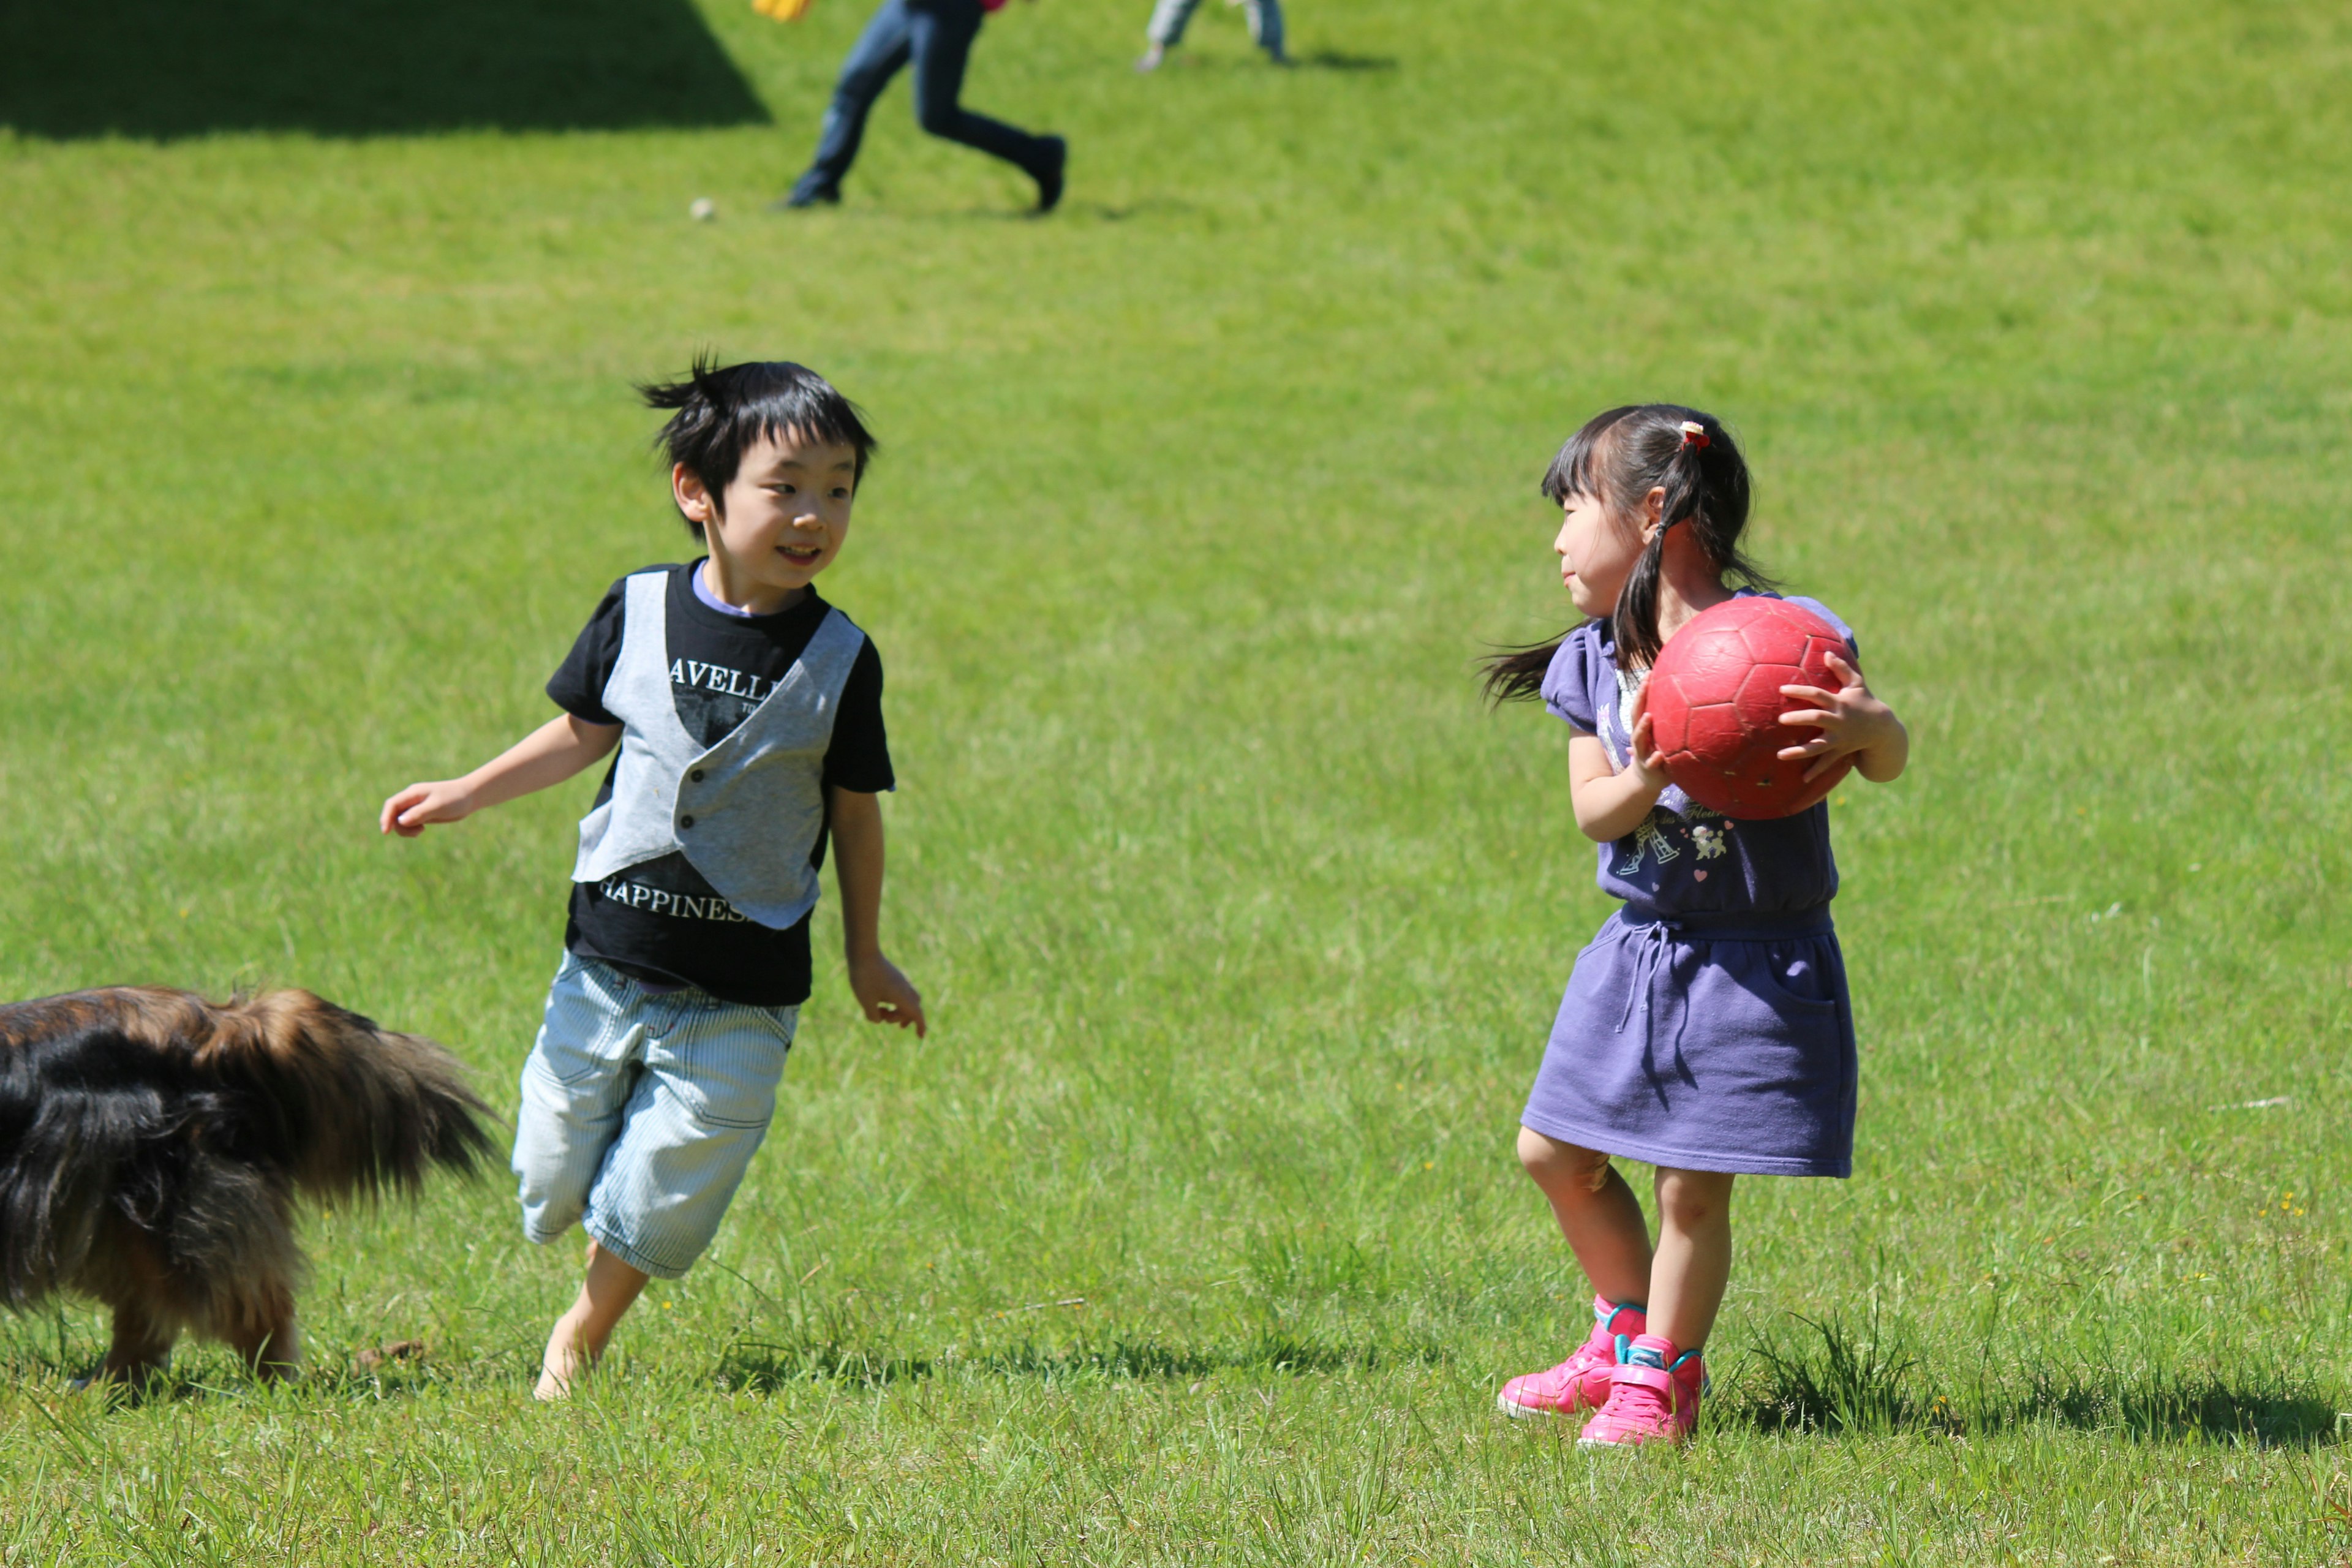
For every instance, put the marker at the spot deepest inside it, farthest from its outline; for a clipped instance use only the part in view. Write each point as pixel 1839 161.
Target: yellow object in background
pixel 782 10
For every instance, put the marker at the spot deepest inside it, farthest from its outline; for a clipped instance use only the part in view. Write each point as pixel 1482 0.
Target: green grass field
pixel 1192 1234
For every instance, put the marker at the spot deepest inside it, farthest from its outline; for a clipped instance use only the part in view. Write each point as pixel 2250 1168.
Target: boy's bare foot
pixel 1151 58
pixel 578 1337
pixel 556 1372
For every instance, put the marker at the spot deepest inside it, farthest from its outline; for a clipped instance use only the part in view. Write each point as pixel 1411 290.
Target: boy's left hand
pixel 1850 719
pixel 887 996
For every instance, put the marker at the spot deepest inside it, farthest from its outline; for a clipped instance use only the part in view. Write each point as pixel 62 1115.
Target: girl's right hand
pixel 1649 764
pixel 408 812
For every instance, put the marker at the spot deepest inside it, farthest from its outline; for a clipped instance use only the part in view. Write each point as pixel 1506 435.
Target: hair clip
pixel 1695 434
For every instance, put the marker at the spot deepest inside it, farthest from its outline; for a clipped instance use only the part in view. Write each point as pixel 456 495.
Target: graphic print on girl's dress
pixel 1707 835
pixel 1676 821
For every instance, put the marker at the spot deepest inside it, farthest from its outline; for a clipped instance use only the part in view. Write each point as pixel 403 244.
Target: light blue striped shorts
pixel 641 1112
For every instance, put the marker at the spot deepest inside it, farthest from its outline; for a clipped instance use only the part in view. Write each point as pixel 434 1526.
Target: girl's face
pixel 786 515
pixel 1597 550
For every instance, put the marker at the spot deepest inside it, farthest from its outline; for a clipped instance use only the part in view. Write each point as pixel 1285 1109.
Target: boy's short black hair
pixel 719 412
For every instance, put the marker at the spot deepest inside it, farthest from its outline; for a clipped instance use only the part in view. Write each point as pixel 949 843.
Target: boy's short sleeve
pixel 858 757
pixel 578 684
pixel 1568 684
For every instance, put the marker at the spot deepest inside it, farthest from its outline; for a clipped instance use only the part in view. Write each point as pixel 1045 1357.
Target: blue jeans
pixel 936 35
pixel 1169 19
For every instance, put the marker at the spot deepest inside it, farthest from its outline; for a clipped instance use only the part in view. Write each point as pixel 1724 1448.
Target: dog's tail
pixel 353 1109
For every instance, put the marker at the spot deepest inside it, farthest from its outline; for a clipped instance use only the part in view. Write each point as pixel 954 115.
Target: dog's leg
pixel 144 1324
pixel 141 1347
pixel 269 1339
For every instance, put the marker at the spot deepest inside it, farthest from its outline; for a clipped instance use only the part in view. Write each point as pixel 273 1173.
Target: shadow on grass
pixel 763 1368
pixel 1191 62
pixel 160 70
pixel 884 211
pixel 1337 60
pixel 173 1386
pixel 1834 1376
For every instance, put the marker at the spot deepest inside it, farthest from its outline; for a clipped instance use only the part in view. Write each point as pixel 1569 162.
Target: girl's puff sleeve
pixel 1568 684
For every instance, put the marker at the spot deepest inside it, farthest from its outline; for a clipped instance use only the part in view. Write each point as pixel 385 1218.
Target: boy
pixel 749 718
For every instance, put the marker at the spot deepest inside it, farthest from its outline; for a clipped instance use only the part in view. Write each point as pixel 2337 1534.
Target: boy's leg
pixel 942 32
pixel 575 1084
pixel 580 1335
pixel 689 1132
pixel 877 56
pixel 1694 1257
pixel 1596 1212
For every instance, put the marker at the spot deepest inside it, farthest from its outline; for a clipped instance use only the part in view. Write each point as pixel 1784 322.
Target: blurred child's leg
pixel 1169 20
pixel 1266 28
pixel 1167 25
pixel 942 34
pixel 1596 1212
pixel 1693 1255
pixel 880 52
pixel 580 1335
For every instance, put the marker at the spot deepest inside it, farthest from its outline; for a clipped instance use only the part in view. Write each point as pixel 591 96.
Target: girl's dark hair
pixel 721 412
pixel 1618 458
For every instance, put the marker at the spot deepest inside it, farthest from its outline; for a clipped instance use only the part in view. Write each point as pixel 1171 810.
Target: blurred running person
pixel 936 36
pixel 1171 18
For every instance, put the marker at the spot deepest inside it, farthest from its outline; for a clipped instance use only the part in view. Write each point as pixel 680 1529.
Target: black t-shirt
pixel 722 667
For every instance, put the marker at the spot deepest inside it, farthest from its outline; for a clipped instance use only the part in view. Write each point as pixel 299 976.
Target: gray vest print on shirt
pixel 746 813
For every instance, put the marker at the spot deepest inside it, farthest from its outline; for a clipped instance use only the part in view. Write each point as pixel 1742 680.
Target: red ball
pixel 1715 706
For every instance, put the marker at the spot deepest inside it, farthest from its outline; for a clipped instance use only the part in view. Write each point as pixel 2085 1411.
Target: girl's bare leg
pixel 1596 1212
pixel 1694 1256
pixel 580 1335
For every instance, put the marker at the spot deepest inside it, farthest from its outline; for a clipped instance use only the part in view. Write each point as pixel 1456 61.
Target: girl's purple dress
pixel 1707 1026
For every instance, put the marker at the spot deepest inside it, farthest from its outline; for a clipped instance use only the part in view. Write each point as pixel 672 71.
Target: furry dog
pixel 153 1145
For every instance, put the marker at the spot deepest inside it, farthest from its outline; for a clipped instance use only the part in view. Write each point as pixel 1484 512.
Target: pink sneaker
pixel 1652 1397
pixel 1581 1382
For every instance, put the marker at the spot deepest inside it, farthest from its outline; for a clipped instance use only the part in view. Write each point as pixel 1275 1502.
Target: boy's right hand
pixel 408 812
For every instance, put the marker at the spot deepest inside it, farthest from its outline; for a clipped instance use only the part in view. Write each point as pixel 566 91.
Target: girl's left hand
pixel 1850 720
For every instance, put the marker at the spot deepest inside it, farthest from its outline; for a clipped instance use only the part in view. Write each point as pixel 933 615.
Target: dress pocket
pixel 1799 978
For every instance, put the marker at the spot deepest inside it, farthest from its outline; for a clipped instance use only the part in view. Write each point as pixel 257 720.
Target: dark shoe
pixel 806 196
pixel 1048 175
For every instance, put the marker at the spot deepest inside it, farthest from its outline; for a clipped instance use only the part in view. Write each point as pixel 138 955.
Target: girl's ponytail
pixel 1635 626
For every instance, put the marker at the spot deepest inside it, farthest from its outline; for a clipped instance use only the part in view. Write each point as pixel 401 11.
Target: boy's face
pixel 785 515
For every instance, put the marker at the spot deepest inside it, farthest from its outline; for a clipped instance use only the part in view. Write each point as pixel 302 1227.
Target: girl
pixel 1706 1031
